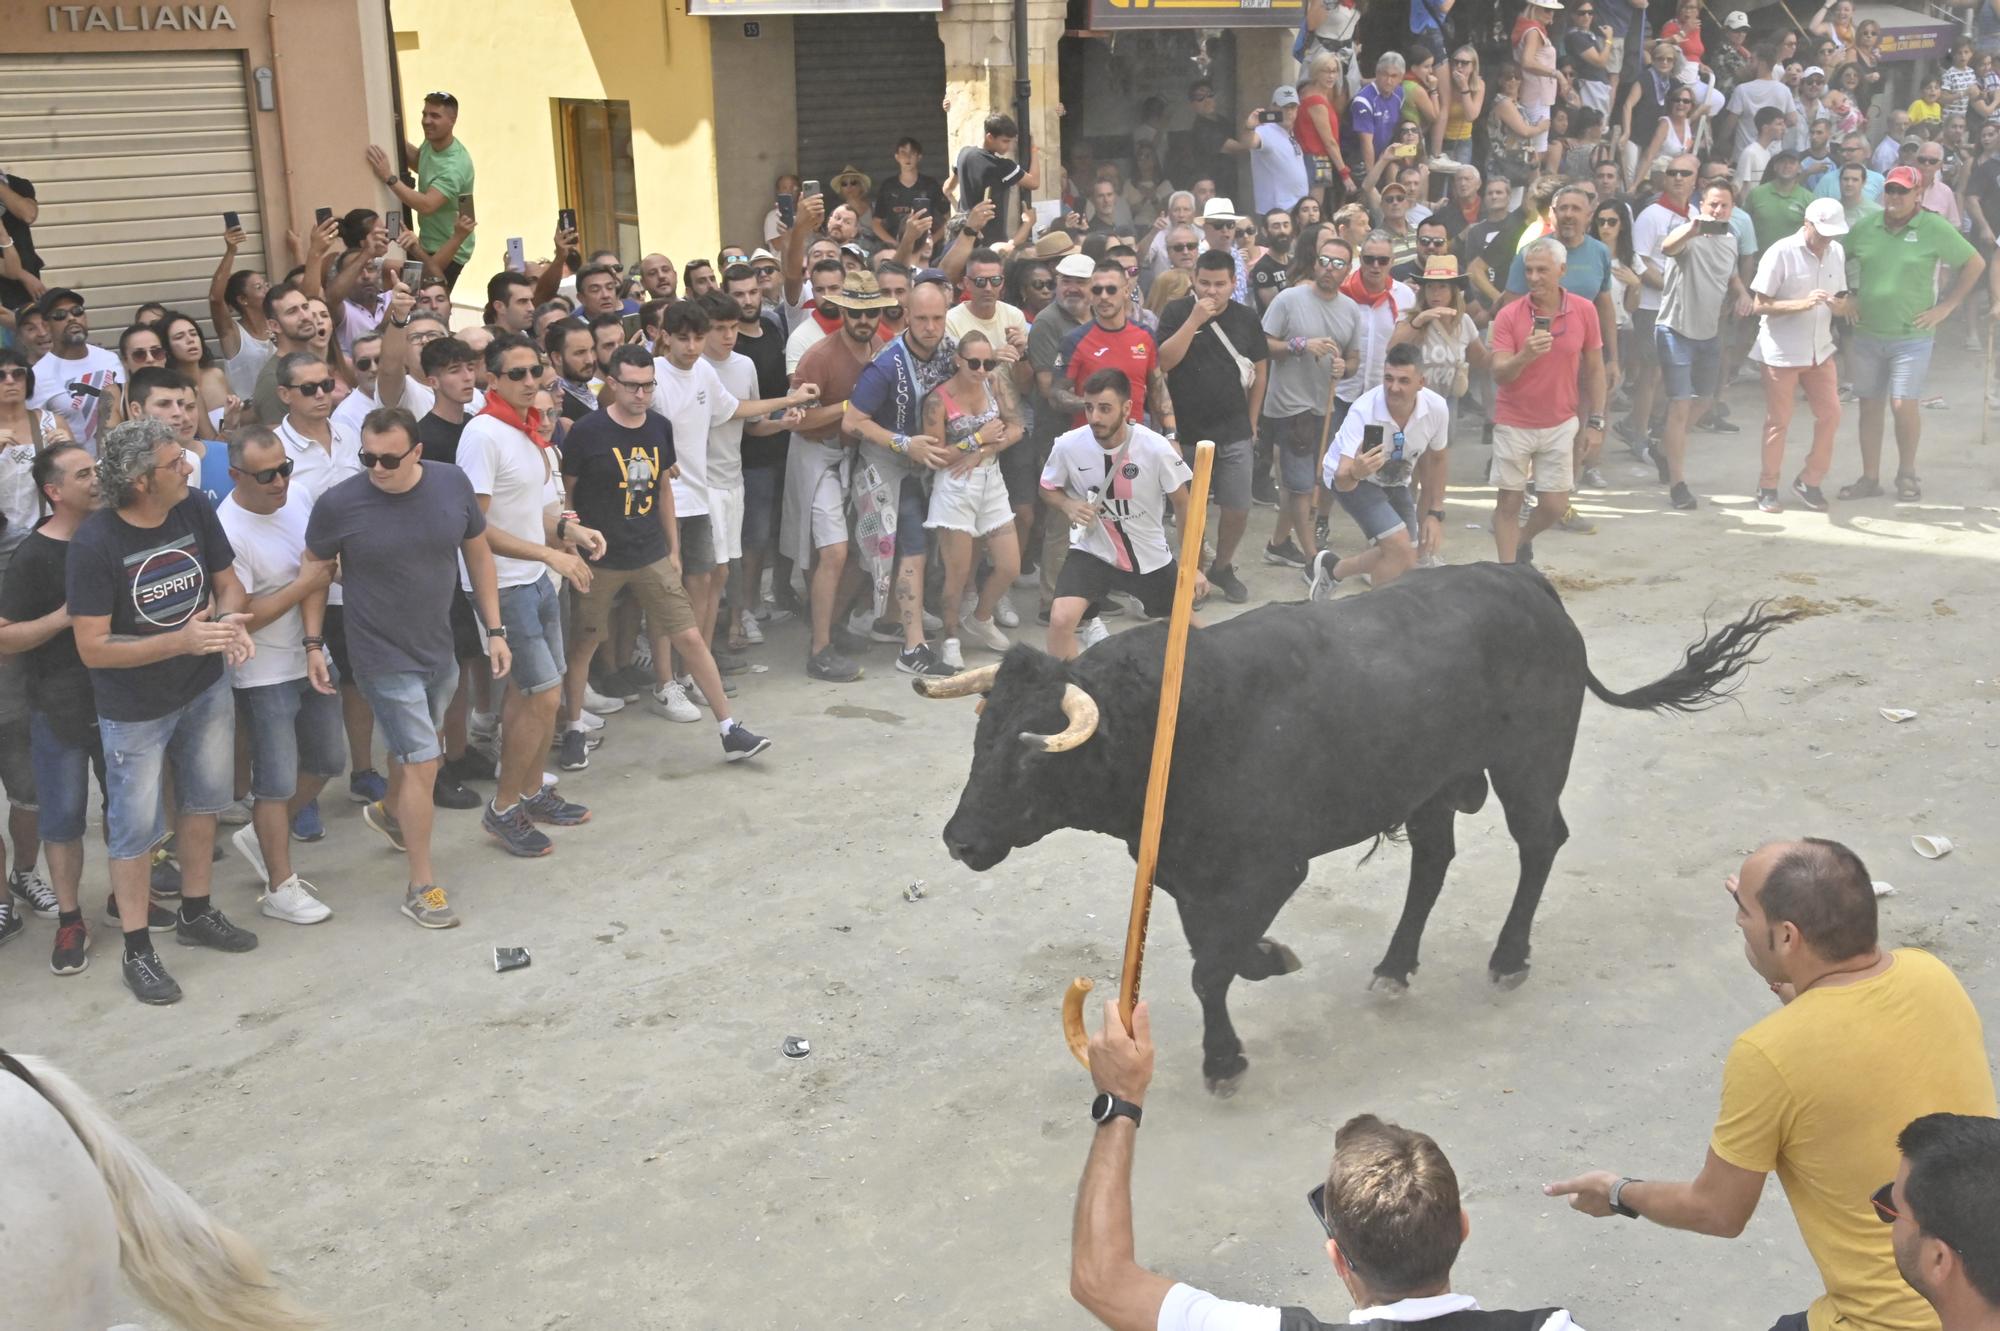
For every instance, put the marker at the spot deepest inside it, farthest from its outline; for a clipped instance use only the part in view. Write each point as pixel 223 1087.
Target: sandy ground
pixel 611 1138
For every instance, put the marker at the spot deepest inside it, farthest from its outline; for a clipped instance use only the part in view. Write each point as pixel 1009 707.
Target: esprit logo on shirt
pixel 168 586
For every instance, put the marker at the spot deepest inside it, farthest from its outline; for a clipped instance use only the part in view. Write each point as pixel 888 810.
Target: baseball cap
pixel 1906 176
pixel 1285 95
pixel 1811 72
pixel 1077 265
pixel 55 296
pixel 1737 20
pixel 1827 217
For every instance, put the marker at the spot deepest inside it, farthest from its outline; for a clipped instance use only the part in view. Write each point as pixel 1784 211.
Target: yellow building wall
pixel 509 61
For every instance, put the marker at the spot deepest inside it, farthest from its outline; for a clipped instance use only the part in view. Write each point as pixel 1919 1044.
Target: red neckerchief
pixel 506 415
pixel 827 325
pixel 1682 211
pixel 1361 295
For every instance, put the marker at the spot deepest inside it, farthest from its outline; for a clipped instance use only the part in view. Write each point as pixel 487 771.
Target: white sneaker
pixel 949 653
pixel 1091 632
pixel 1005 615
pixel 245 841
pixel 593 701
pixel 751 632
pixel 985 633
pixel 591 721
pixel 236 815
pixel 671 701
pixel 294 902
pixel 932 623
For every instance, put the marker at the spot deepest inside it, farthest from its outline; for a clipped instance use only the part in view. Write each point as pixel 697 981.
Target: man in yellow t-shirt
pixel 1867 1041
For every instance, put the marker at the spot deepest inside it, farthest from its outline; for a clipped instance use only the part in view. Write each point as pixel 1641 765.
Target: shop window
pixel 598 180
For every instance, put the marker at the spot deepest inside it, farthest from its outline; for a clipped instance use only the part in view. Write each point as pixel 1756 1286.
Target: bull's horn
pixel 1081 709
pixel 959 685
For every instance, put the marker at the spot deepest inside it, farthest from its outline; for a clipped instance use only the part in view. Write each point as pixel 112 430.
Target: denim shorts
pixel 1891 367
pixel 533 616
pixel 293 728
pixel 1690 367
pixel 62 777
pixel 409 706
pixel 913 509
pixel 17 766
pixel 197 738
pixel 1380 510
pixel 1297 439
pixel 763 495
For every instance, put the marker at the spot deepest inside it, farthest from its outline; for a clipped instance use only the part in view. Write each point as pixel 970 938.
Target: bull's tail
pixel 1709 671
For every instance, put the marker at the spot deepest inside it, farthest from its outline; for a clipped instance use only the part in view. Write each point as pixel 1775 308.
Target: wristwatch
pixel 403 322
pixel 1437 513
pixel 1108 1106
pixel 1594 422
pixel 1618 1207
pixel 390 181
pixel 497 631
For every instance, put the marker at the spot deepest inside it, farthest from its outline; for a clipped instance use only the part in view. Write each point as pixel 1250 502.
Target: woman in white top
pixel 1442 331
pixel 1674 135
pixel 973 414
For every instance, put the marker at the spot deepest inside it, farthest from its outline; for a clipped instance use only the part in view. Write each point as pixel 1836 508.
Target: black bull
pixel 1303 729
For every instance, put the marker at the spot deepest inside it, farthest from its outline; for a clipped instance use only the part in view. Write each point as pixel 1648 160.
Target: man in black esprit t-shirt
pixel 1390 1205
pixel 617 464
pixel 157 609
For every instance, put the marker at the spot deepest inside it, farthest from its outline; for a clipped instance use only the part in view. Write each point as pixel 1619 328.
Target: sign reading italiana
pixel 141 18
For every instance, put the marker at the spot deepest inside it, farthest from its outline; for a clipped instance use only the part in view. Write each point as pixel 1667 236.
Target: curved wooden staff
pixel 1156 778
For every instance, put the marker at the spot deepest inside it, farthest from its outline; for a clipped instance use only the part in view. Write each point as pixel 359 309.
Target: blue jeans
pixel 1690 367
pixel 198 738
pixel 293 728
pixel 533 617
pixel 1380 510
pixel 409 706
pixel 62 779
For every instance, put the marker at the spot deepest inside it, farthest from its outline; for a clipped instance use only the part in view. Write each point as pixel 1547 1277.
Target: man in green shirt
pixel 1778 206
pixel 1892 264
pixel 444 176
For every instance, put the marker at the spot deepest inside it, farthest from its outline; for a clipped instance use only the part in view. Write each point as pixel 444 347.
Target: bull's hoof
pixel 1509 979
pixel 1389 986
pixel 1225 1075
pixel 1286 959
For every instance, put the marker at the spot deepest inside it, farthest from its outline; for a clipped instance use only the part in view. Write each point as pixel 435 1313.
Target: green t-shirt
pixel 1777 215
pixel 1893 273
pixel 450 173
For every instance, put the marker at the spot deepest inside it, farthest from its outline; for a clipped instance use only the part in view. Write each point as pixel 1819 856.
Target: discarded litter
pixel 797 1046
pixel 510 958
pixel 1897 714
pixel 1883 889
pixel 915 891
pixel 1931 847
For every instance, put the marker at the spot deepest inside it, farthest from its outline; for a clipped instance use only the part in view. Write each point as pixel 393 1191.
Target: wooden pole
pixel 1156 779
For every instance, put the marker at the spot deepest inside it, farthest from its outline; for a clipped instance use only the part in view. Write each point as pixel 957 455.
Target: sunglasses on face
pixel 1377 260
pixel 12 374
pixel 313 389
pixel 1930 161
pixel 1883 1201
pixel 386 461
pixel 1316 1203
pixel 1186 247
pixel 1330 261
pixel 860 316
pixel 65 314
pixel 147 353
pixel 365 362
pixel 989 283
pixel 1895 189
pixel 268 474
pixel 520 372
pixel 977 363
pixel 765 271
pixel 1679 171
pixel 1104 291
pixel 1432 242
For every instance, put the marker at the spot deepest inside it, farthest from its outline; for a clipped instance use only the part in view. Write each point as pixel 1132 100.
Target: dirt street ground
pixel 611 1139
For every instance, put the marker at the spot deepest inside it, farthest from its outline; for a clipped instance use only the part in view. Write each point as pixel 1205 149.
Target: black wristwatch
pixel 1108 1106
pixel 497 631
pixel 1437 513
pixel 1618 1207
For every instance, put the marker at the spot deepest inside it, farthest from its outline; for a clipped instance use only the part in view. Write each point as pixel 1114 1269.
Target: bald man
pixel 1865 1040
pixel 657 276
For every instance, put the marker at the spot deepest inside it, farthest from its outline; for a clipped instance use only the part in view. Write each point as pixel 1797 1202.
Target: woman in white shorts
pixel 976 415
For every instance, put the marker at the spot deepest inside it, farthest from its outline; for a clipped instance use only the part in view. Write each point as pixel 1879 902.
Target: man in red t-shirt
pixel 1547 355
pixel 1111 341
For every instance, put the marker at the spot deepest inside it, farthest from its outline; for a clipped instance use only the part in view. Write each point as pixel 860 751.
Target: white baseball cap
pixel 1076 265
pixel 1737 20
pixel 1827 217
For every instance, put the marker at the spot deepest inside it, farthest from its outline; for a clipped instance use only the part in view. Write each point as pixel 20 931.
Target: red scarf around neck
pixel 1361 295
pixel 1678 209
pixel 506 415
pixel 828 324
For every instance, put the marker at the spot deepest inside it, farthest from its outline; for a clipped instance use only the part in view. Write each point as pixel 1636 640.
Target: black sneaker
pixel 475 764
pixel 831 666
pixel 888 629
pixel 575 753
pixel 11 922
pixel 212 928
pixel 1319 576
pixel 159 918
pixel 849 643
pixel 741 742
pixel 921 660
pixel 1263 490
pixel 1319 530
pixel 1716 424
pixel 166 879
pixel 39 897
pixel 1657 453
pixel 1524 553
pixel 1682 496
pixel 1286 553
pixel 628 683
pixel 1223 576
pixel 1767 501
pixel 1809 495
pixel 72 950
pixel 516 831
pixel 546 806
pixel 447 792
pixel 148 980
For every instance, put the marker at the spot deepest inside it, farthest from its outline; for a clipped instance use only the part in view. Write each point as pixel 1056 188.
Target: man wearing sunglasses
pixel 1310 331
pixel 1866 1040
pixel 1944 1210
pixel 77 379
pixel 1390 1206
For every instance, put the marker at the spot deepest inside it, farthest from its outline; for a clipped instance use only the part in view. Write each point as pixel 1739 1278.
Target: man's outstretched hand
pixel 1121 1061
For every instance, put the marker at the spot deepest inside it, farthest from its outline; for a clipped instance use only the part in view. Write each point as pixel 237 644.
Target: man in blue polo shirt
pixel 1376 108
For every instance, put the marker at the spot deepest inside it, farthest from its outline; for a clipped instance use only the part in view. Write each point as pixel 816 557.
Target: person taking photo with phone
pixel 1395 434
pixel 1701 273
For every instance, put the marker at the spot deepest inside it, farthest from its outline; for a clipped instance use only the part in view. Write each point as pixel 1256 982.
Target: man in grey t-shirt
pixel 1701 273
pixel 1310 329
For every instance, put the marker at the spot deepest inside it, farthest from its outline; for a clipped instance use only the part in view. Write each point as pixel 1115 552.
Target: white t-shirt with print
pixel 268 548
pixel 75 389
pixel 1132 483
pixel 694 401
pixel 519 476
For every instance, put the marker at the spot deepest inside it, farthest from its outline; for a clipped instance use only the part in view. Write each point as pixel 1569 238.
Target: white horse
pixel 79 1202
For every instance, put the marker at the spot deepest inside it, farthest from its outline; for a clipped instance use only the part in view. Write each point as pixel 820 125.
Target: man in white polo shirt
pixel 1801 285
pixel 514 473
pixel 1393 435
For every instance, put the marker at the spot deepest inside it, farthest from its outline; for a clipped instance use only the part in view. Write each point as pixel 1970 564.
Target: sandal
pixel 1865 488
pixel 1908 486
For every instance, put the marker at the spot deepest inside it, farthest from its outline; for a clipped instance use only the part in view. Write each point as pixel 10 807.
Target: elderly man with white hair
pixel 1180 211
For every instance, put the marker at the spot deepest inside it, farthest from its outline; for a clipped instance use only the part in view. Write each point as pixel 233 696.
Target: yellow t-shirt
pixel 1921 110
pixel 1818 1091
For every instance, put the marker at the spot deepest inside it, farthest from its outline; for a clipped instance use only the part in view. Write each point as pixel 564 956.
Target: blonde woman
pixel 974 413
pixel 1317 127
pixel 1464 100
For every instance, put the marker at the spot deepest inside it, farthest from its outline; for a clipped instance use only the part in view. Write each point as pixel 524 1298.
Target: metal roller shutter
pixel 864 81
pixel 135 157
